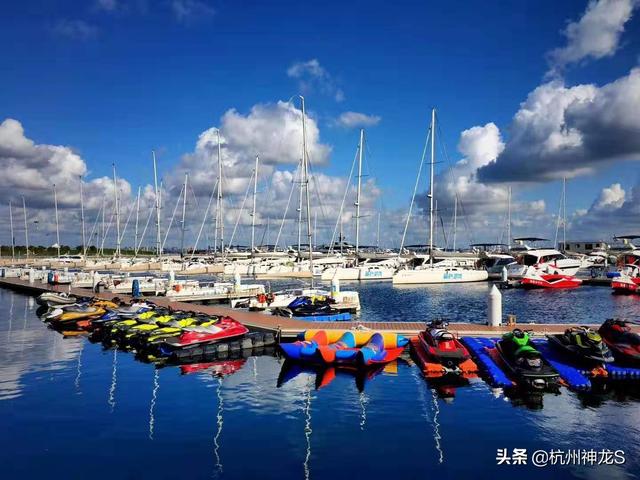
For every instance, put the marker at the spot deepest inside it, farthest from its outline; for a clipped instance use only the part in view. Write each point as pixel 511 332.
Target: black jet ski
pixel 524 361
pixel 582 343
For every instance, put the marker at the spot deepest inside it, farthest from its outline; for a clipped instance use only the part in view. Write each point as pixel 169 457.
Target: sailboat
pixel 445 271
pixel 371 269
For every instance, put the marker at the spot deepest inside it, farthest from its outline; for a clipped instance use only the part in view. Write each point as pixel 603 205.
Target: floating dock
pixel 284 327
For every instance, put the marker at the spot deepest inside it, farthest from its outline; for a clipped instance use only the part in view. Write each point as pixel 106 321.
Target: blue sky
pixel 114 79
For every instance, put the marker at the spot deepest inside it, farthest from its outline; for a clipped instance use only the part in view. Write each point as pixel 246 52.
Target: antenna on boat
pixel 84 243
pixel 433 156
pixel 117 211
pixel 26 227
pixel 157 195
pixel 55 204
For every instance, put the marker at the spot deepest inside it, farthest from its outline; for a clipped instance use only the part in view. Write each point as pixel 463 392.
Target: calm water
pixel 70 409
pixel 468 303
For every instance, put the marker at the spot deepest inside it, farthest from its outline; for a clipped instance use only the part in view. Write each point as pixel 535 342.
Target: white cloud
pixel 75 29
pixel 595 35
pixel 613 212
pixel 189 11
pixel 272 131
pixel 610 198
pixel 357 120
pixel 312 76
pixel 570 131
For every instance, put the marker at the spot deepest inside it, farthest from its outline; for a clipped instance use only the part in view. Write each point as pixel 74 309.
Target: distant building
pixel 582 247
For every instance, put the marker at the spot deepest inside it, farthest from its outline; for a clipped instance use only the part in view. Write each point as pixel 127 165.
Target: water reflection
pixel 29 346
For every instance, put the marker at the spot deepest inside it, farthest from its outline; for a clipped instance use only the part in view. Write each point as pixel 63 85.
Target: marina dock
pixel 284 327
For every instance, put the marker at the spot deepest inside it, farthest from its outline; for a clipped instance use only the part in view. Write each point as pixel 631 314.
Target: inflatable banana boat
pixel 336 347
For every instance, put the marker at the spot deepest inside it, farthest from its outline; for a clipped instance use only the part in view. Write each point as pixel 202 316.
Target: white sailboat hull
pixel 358 273
pixel 439 275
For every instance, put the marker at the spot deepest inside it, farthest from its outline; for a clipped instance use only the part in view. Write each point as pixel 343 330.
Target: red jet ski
pixel 225 329
pixel 441 347
pixel 624 343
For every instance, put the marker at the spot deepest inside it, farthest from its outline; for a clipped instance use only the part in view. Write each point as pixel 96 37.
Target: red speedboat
pixel 625 284
pixel 536 279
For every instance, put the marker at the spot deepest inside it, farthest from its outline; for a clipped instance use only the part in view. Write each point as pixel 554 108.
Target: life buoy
pixel 177 287
pixel 262 298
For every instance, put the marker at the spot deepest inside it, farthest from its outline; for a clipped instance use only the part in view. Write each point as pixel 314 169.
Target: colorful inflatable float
pixel 336 347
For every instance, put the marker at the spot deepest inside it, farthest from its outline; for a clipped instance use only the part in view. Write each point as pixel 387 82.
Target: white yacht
pixel 547 260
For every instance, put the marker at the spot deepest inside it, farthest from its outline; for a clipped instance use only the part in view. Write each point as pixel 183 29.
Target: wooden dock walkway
pixel 284 327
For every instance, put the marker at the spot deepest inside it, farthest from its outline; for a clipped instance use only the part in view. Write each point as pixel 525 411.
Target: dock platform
pixel 284 327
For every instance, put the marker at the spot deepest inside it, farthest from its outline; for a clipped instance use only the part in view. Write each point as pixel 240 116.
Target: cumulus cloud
pixel 272 131
pixel 31 169
pixel 569 131
pixel 357 120
pixel 614 212
pixel 74 29
pixel 312 76
pixel 189 11
pixel 595 35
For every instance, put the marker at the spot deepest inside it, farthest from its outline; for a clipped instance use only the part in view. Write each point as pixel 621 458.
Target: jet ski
pixel 624 343
pixel 308 307
pixel 441 346
pixel 582 343
pixel 51 299
pixel 524 362
pixel 225 329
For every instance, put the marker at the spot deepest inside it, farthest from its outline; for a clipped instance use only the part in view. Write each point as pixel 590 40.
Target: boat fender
pixel 246 344
pixel 223 348
pixel 234 346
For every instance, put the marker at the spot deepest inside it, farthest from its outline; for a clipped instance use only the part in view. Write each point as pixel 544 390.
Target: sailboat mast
pixel 135 247
pixel 301 175
pixel 157 195
pixel 378 232
pixel 305 171
pixel 13 239
pixel 564 213
pixel 455 221
pixel 253 212
pixel 103 228
pixel 26 227
pixel 117 207
pixel 84 242
pixel 509 220
pixel 219 211
pixel 433 157
pixel 360 149
pixel 184 213
pixel 55 204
